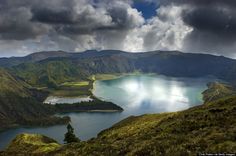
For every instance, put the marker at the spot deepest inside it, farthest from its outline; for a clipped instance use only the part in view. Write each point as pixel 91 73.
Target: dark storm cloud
pixel 65 16
pixel 15 24
pixel 212 20
pixel 213 23
pixel 199 2
pixel 53 11
pixel 120 17
pixel 30 18
pixel 73 25
pixel 89 20
pixel 210 16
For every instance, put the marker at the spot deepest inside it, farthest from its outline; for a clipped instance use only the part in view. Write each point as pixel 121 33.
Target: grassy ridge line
pixel 54 71
pixel 217 90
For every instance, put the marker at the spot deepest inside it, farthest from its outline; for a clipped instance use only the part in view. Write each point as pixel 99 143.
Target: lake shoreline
pixel 105 111
pixel 165 116
pixel 93 97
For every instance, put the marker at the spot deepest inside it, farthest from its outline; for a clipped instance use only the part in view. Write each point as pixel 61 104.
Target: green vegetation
pixel 105 76
pixel 209 128
pixel 32 144
pixel 90 106
pixel 46 74
pixel 218 90
pixel 19 105
pixel 54 69
pixel 80 83
pixel 70 136
pixel 50 69
pixel 8 84
pixel 72 89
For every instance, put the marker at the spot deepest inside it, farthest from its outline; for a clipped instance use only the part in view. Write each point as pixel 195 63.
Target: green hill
pixel 54 71
pixel 8 84
pixel 46 74
pixel 209 128
pixel 19 107
pixel 38 56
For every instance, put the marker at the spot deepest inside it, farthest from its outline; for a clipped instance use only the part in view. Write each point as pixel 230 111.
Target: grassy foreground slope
pixel 210 128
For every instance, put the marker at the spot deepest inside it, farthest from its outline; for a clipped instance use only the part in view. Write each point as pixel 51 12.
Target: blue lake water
pixel 137 94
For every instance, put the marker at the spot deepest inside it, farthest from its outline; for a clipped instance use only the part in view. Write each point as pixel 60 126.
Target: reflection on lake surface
pixel 137 94
pixel 151 94
pixel 70 100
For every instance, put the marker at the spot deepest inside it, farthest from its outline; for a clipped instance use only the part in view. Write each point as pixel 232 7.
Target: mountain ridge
pixel 52 71
pixel 42 55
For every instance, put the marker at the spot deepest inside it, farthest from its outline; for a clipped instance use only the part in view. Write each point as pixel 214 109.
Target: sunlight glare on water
pixel 156 93
pixel 138 94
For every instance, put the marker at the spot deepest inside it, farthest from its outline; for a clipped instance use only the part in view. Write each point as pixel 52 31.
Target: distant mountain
pixel 53 68
pixel 53 71
pixel 12 61
pixel 19 107
pixel 34 57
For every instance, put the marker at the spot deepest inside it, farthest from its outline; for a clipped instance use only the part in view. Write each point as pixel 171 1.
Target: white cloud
pixel 166 31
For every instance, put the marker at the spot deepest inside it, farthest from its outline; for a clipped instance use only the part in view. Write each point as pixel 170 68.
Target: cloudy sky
pixel 206 26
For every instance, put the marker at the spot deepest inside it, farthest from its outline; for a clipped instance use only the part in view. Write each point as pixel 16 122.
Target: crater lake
pixel 136 94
